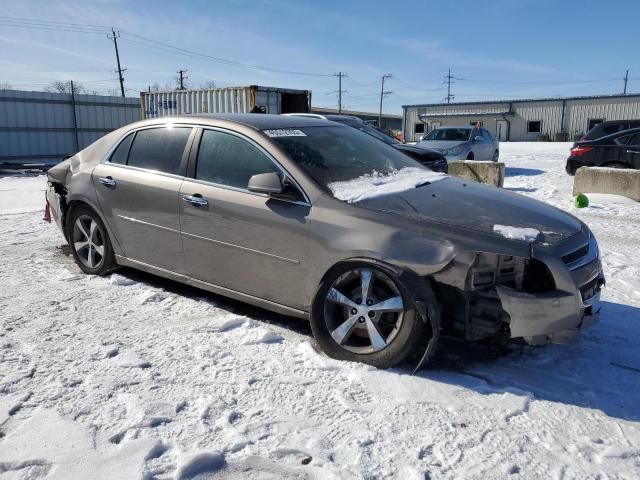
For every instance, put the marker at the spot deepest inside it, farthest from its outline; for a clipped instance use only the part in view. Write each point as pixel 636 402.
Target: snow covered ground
pixel 135 377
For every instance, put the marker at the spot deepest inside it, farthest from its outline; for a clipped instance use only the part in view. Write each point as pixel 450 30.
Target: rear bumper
pixel 55 205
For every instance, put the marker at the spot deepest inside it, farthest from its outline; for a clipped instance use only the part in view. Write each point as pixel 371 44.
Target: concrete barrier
pixel 491 173
pixel 616 181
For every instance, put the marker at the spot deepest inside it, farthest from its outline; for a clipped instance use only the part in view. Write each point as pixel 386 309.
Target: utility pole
pixel 182 78
pixel 448 79
pixel 120 70
pixel 75 115
pixel 626 79
pixel 382 94
pixel 340 75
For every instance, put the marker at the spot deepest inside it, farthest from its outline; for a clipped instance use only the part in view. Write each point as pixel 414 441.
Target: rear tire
pixel 470 156
pixel 89 241
pixel 346 329
pixel 496 155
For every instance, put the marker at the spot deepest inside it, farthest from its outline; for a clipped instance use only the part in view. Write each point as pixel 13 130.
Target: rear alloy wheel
pixel 89 242
pixel 363 313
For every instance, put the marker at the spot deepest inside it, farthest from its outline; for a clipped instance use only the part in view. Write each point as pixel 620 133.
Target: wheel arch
pixel 75 202
pixel 423 296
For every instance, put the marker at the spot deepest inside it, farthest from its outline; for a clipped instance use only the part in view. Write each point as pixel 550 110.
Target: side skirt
pixel 225 292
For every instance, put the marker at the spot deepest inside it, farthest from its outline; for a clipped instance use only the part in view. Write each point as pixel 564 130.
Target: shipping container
pixel 224 100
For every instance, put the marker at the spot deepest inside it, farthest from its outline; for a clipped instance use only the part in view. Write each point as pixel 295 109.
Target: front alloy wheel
pixel 367 316
pixel 363 313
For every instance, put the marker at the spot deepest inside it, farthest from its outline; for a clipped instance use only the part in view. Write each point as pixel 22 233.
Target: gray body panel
pixel 274 252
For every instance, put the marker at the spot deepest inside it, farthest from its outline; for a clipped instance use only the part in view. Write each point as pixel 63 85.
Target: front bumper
pixel 553 317
pixel 558 315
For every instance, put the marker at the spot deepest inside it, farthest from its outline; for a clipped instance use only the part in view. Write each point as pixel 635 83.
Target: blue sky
pixel 497 49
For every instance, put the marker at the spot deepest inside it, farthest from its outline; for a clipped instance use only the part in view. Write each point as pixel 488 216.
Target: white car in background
pixel 462 143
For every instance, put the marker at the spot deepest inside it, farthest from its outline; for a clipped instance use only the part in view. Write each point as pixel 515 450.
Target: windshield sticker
pixel 285 132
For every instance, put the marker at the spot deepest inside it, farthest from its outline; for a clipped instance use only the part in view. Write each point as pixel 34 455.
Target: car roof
pixel 338 118
pixel 468 127
pixel 258 121
pixel 619 122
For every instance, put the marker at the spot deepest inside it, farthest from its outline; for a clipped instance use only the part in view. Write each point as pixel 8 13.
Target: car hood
pixel 440 144
pixel 479 208
pixel 426 153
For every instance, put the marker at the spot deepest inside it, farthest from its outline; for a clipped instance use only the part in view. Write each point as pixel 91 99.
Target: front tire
pixel 364 313
pixel 496 155
pixel 470 156
pixel 89 241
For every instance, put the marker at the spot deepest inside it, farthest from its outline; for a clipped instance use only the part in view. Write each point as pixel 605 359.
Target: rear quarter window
pixel 121 152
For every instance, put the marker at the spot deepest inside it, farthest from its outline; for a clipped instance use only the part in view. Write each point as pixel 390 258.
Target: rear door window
pixel 159 149
pixel 229 160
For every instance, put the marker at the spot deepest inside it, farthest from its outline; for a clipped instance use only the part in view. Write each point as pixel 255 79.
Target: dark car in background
pixel 609 128
pixel 426 156
pixel 618 150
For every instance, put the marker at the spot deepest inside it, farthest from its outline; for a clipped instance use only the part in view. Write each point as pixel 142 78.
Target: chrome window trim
pixel 107 156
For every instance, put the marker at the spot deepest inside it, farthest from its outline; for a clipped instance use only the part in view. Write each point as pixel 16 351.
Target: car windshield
pixel 332 155
pixel 449 134
pixel 374 132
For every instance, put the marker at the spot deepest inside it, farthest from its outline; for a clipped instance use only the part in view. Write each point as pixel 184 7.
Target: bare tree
pixel 5 86
pixel 155 87
pixel 59 86
pixel 208 84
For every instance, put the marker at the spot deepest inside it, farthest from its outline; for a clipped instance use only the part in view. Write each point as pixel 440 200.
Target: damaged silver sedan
pixel 314 219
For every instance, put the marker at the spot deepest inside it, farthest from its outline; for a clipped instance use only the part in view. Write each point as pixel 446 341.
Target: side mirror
pixel 477 138
pixel 269 183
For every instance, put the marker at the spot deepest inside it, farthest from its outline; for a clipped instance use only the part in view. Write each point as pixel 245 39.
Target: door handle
pixel 196 200
pixel 107 181
pixel 635 152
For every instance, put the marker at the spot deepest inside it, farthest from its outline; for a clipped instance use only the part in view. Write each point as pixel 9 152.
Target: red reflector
pixel 47 213
pixel 577 151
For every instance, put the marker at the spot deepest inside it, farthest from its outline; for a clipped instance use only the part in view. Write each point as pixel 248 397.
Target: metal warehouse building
pixel 557 119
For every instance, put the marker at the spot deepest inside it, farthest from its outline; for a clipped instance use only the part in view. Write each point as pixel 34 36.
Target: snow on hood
pixel 517 233
pixel 377 184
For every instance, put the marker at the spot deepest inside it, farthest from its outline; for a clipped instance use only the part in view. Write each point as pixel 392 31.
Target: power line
pixel 151 43
pixel 145 41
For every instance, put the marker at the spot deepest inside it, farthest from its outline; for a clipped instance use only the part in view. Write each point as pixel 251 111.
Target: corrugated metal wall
pixel 581 111
pixel 39 127
pixel 577 113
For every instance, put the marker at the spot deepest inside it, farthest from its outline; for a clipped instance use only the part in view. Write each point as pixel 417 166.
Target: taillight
pixel 577 151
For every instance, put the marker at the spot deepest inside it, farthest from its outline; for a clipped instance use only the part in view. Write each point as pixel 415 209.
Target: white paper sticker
pixel 285 132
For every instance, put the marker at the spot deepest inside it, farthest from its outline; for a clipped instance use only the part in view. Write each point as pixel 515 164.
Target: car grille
pixel 576 254
pixel 581 256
